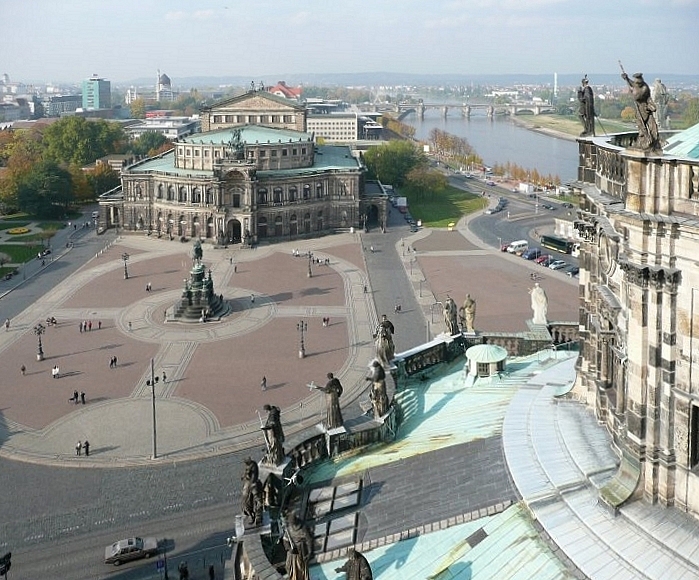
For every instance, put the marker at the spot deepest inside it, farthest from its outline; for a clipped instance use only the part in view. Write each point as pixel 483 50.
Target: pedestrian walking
pixel 86 447
pixel 76 397
pixel 365 289
pixel 78 448
pixel 115 361
pixel 7 324
pixel 89 324
pixel 212 572
pixel 130 326
pixel 111 362
pixel 252 298
pixel 82 397
pixel 99 325
pixel 263 383
pixel 23 369
pixel 235 268
pixel 164 377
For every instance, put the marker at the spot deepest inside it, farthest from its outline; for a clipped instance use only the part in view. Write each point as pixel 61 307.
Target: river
pixel 499 140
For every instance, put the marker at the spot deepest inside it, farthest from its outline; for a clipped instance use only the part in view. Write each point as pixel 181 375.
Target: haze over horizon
pixel 129 39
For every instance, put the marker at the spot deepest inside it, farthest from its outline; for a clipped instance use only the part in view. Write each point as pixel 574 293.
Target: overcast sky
pixel 69 40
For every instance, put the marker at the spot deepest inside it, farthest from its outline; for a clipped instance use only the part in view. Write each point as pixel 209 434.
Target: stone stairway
pixel 559 457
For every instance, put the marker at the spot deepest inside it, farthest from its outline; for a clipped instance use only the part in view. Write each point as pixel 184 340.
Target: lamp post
pixel 302 327
pixel 151 383
pixel 125 257
pixel 39 329
pixel 310 264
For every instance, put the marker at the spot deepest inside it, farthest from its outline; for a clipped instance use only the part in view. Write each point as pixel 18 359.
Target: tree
pixel 102 178
pixel 148 142
pixel 691 113
pixel 46 192
pixel 138 108
pixel 79 141
pixel 391 162
pixel 82 190
pixel 421 180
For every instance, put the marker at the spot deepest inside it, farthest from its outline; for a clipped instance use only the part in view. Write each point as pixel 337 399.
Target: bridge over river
pixel 535 107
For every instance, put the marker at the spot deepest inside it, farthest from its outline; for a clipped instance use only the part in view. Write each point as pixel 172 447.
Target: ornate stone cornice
pixel 644 275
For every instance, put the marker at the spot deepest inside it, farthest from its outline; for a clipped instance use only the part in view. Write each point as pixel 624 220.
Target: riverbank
pixel 565 127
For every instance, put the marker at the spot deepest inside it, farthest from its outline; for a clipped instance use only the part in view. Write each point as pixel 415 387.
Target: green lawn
pixel 438 210
pixel 20 253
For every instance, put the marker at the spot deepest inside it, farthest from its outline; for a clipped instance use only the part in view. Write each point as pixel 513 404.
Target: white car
pixel 557 265
pixel 130 549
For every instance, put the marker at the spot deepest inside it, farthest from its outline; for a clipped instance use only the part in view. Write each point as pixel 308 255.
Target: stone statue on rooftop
pixel 648 138
pixel 467 314
pixel 586 111
pixel 540 303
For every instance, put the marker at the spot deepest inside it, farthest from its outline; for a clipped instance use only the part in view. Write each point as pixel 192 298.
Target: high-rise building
pixel 97 93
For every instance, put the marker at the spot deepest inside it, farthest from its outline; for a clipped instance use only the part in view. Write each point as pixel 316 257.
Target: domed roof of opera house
pixel 684 144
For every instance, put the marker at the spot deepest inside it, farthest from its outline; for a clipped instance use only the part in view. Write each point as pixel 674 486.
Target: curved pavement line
pixel 127 421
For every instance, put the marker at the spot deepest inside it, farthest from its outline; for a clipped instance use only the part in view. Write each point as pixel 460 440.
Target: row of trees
pixel 403 164
pixel 43 168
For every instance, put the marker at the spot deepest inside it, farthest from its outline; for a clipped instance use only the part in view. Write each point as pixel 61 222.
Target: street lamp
pixel 151 383
pixel 302 327
pixel 125 257
pixel 310 262
pixel 39 329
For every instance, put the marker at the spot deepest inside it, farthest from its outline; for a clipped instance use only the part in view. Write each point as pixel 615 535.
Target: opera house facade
pixel 253 174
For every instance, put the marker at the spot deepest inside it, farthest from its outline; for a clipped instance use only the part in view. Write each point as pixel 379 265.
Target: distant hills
pixel 374 79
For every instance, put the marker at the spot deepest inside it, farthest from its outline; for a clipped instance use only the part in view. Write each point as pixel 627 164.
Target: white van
pixel 518 247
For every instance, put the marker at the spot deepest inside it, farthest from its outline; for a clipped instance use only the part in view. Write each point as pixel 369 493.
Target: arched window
pixel 262 196
pixel 170 193
pixel 293 193
pixel 196 195
pixel 319 190
pixel 160 191
pixel 319 221
pixel 138 192
pixel 277 194
pixel 262 227
pixel 278 226
pixel 306 191
pixel 209 199
pixel 293 225
pixel 307 223
pixel 182 195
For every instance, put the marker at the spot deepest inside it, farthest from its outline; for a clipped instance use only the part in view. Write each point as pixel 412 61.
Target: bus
pixel 558 244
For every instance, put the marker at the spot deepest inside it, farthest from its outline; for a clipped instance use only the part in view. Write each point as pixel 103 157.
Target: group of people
pixel 82 446
pixel 86 325
pixel 77 398
pixel 326 321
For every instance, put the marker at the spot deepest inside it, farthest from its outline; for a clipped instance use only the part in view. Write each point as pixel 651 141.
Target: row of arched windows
pixel 292 194
pixel 181 194
pixel 292 228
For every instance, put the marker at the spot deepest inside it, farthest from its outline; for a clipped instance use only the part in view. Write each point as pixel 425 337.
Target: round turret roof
pixel 164 79
pixel 486 353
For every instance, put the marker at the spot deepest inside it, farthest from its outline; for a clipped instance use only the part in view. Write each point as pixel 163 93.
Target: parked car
pixel 130 549
pixel 504 246
pixel 567 205
pixel 544 260
pixel 557 265
pixel 532 254
pixel 572 271
pixel 490 182
pixel 413 227
pixel 548 206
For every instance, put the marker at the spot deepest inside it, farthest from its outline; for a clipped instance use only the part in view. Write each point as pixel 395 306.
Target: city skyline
pixel 129 40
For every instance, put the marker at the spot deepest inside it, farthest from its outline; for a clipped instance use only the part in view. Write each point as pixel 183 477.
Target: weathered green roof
pixel 249 134
pixel 684 144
